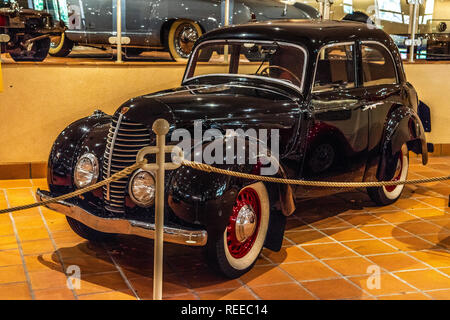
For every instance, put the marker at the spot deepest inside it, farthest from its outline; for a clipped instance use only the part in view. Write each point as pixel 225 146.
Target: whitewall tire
pixel 236 251
pixel 389 194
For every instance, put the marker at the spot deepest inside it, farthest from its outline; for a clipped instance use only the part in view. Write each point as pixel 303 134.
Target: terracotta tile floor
pixel 330 250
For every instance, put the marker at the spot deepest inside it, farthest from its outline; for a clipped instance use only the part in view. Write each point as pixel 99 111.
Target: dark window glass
pixel 335 68
pixel 378 67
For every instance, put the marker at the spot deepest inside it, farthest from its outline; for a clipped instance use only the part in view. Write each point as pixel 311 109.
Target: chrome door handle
pixel 371 106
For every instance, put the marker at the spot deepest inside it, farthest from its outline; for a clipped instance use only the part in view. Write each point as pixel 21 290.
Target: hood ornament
pixel 124 110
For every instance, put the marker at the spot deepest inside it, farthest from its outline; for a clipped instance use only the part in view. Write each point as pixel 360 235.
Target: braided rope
pixel 210 169
pixel 327 184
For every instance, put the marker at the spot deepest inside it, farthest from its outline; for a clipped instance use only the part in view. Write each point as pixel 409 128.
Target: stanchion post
pixel 413 26
pixel 160 128
pixel 226 24
pixel 119 31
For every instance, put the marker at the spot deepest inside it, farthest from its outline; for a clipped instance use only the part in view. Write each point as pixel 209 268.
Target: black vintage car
pixel 26 32
pixel 335 91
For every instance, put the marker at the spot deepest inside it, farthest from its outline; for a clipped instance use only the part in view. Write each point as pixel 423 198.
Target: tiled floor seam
pixel 253 293
pixel 367 259
pixel 413 257
pixel 427 221
pixel 327 266
pixel 332 269
pixel 390 273
pixel 122 274
pixel 289 275
pixel 69 283
pixel 19 246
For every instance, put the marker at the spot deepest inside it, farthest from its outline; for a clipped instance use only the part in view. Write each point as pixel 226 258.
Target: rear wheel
pixel 181 38
pixel 237 249
pixel 88 233
pixel 35 51
pixel 60 46
pixel 389 194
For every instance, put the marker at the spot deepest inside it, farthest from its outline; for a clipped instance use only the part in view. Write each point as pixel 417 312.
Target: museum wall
pixel 39 101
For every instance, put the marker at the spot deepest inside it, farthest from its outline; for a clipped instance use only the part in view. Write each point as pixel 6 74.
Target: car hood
pixel 223 105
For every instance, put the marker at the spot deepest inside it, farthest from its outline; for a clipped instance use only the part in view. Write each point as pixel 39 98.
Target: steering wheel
pixel 265 72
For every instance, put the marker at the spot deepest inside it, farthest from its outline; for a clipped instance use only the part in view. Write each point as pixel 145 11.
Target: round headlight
pixel 142 188
pixel 86 170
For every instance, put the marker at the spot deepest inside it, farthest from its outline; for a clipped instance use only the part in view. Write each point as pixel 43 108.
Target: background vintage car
pixel 28 30
pixel 337 93
pixel 171 25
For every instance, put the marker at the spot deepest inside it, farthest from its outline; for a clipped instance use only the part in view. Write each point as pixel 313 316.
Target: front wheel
pixel 236 251
pixel 181 38
pixel 60 46
pixel 35 51
pixel 387 195
pixel 88 233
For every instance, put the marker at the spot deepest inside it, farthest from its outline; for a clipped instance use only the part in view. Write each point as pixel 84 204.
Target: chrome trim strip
pixel 297 88
pixel 346 43
pixel 108 173
pixel 123 226
pixel 390 54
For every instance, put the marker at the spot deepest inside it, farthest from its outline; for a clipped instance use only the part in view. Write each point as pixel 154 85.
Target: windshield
pixel 274 61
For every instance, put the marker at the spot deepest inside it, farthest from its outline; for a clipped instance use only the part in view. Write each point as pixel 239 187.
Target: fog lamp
pixel 142 188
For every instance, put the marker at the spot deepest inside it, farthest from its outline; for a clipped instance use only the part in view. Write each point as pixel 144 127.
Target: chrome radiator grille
pixel 125 139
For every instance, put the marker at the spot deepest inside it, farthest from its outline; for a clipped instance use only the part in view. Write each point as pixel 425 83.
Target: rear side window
pixel 377 64
pixel 335 68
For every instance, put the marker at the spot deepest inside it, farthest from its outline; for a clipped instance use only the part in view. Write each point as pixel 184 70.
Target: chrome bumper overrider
pixel 123 226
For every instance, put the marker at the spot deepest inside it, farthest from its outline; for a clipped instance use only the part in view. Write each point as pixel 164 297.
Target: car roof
pixel 311 33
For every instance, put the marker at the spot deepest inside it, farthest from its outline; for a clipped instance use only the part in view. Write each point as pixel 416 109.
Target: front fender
pixel 65 151
pixel 403 126
pixel 207 199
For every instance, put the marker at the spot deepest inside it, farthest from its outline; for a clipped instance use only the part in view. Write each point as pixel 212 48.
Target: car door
pixel 337 138
pixel 99 20
pixel 383 92
pixel 143 20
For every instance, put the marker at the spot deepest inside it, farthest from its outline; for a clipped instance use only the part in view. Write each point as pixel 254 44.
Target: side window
pixel 335 68
pixel 377 64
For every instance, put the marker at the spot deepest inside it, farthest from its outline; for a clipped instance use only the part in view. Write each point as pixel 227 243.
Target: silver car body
pixel 145 21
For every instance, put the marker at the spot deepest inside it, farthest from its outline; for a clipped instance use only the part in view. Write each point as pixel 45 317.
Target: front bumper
pixel 124 226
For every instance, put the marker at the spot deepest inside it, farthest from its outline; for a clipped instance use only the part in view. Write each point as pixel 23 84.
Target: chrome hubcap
pixel 189 35
pixel 245 223
pixel 186 35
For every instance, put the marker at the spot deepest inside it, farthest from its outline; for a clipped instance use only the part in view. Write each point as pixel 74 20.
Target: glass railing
pixel 421 27
pixel 427 22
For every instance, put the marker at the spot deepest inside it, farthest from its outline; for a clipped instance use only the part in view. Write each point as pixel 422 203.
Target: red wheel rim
pixel 238 249
pixel 397 175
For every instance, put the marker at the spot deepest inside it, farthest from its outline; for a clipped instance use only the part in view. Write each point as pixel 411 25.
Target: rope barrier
pixel 326 184
pixel 117 176
pixel 210 169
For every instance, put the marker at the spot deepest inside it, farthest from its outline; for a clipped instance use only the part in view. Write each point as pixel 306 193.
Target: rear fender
pixel 403 126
